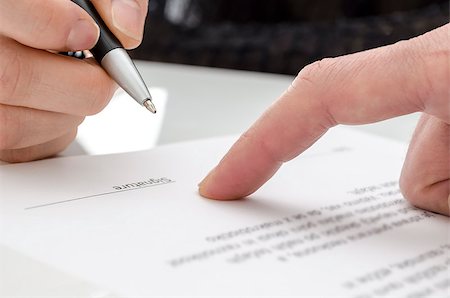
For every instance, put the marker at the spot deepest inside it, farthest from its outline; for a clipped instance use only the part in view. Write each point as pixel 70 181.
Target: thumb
pixel 125 18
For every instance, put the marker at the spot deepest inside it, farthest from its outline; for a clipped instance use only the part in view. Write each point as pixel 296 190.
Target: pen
pixel 111 55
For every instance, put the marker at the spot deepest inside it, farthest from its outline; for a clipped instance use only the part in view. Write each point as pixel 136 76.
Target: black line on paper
pixel 93 196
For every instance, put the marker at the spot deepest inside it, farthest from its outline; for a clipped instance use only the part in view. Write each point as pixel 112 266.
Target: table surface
pixel 193 103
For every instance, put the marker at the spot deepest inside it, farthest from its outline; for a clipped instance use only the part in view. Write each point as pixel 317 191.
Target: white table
pixel 193 102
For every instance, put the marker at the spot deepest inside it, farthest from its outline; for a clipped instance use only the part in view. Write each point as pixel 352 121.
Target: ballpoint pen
pixel 111 55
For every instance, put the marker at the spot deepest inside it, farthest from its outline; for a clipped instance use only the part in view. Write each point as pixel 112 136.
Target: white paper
pixel 330 223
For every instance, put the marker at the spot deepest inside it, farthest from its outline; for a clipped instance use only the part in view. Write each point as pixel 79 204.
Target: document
pixel 330 223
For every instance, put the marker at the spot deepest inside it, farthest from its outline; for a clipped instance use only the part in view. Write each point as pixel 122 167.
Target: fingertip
pixel 211 188
pixel 128 17
pixel 129 43
pixel 125 19
pixel 204 187
pixel 83 35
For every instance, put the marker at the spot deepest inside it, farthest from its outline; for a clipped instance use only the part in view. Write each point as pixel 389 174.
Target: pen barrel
pixel 107 40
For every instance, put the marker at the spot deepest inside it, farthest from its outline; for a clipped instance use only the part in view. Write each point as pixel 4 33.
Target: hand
pixel 361 88
pixel 45 96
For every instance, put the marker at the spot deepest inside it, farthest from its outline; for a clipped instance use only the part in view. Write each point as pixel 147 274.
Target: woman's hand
pixel 45 96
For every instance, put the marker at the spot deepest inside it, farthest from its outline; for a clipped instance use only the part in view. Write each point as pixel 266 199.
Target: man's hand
pixel 45 96
pixel 361 88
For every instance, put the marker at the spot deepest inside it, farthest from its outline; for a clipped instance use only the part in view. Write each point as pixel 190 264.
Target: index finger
pixel 365 87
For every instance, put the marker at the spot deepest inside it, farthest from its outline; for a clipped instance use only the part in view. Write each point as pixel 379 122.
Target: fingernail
pixel 201 184
pixel 127 17
pixel 83 35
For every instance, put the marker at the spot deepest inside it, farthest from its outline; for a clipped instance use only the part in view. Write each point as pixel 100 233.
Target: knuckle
pixel 311 73
pixel 273 154
pixel 428 56
pixel 436 77
pixel 45 21
pixel 313 79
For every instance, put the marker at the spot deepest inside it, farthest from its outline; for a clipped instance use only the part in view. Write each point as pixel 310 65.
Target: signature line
pixel 93 196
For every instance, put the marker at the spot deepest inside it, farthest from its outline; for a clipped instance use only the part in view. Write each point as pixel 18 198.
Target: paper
pixel 331 223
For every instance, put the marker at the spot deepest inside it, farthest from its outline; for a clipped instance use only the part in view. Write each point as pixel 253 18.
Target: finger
pixel 125 18
pixel 24 127
pixel 49 24
pixel 38 151
pixel 355 89
pixel 45 81
pixel 425 179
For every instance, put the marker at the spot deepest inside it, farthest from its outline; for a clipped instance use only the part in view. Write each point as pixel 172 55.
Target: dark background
pixel 279 36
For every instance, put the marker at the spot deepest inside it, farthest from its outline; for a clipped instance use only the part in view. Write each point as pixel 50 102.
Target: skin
pixel 365 87
pixel 45 96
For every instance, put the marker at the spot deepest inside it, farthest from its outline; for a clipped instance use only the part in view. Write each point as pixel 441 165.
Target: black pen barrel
pixel 107 40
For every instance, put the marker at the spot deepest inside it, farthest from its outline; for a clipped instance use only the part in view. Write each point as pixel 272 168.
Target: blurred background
pixel 279 36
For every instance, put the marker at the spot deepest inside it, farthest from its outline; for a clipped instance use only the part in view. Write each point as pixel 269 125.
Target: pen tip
pixel 150 106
